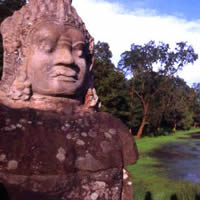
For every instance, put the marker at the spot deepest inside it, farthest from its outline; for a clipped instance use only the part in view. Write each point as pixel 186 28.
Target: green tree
pixel 177 111
pixel 110 83
pixel 146 84
pixel 196 104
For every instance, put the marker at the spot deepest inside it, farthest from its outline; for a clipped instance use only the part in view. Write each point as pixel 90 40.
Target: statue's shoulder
pixel 111 120
pixel 115 125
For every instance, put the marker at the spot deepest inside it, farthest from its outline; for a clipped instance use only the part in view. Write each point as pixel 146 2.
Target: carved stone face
pixel 56 64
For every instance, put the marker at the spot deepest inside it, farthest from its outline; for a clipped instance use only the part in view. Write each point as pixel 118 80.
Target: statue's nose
pixel 64 56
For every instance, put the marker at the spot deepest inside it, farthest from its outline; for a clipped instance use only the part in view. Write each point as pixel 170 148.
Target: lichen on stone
pixel 105 146
pixel 112 131
pixel 68 136
pixel 61 154
pixel 107 135
pixel 2 157
pixel 80 142
pixel 39 123
pixel 63 128
pixel 62 150
pixel 10 128
pixel 92 133
pixel 12 165
pixel 19 126
pixel 129 183
pixel 83 134
pixel 67 125
pixel 23 121
pixel 94 196
pixel 7 121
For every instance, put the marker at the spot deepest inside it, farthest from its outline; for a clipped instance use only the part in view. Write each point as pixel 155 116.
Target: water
pixel 180 160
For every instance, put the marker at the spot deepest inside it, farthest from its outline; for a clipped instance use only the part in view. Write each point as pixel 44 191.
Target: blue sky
pixel 188 9
pixel 123 22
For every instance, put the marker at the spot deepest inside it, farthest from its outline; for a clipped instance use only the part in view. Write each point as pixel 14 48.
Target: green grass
pixel 149 178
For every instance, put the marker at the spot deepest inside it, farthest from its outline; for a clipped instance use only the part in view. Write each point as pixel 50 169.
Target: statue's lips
pixel 64 74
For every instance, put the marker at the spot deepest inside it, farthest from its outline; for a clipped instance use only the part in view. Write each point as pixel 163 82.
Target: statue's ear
pixel 91 49
pixel 91 100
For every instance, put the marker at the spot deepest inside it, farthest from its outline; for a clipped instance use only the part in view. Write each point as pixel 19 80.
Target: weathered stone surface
pixel 42 162
pixel 34 146
pixel 80 185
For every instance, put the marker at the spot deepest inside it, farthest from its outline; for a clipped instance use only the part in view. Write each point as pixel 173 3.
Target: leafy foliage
pixel 196 104
pixel 148 84
pixel 178 102
pixel 144 58
pixel 110 83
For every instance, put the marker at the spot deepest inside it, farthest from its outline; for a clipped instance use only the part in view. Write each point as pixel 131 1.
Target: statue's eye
pixel 78 46
pixel 78 49
pixel 46 46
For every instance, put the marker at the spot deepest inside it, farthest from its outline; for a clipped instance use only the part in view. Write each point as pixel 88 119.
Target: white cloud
pixel 120 28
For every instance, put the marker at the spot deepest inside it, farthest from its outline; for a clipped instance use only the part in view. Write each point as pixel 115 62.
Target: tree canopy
pixel 147 83
pixel 110 83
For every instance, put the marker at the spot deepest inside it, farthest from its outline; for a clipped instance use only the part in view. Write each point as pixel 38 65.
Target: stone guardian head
pixel 47 51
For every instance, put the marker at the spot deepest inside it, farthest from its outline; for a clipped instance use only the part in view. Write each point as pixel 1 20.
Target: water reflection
pixel 180 160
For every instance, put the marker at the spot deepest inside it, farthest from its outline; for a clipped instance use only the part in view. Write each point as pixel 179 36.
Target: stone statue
pixel 53 143
pixel 39 42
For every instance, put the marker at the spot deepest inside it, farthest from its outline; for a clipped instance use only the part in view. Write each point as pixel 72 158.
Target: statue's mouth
pixel 64 74
pixel 66 78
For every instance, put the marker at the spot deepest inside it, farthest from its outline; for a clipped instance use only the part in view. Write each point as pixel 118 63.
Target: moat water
pixel 181 160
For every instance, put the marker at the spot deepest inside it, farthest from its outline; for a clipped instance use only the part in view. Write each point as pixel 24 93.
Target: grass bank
pixel 149 180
